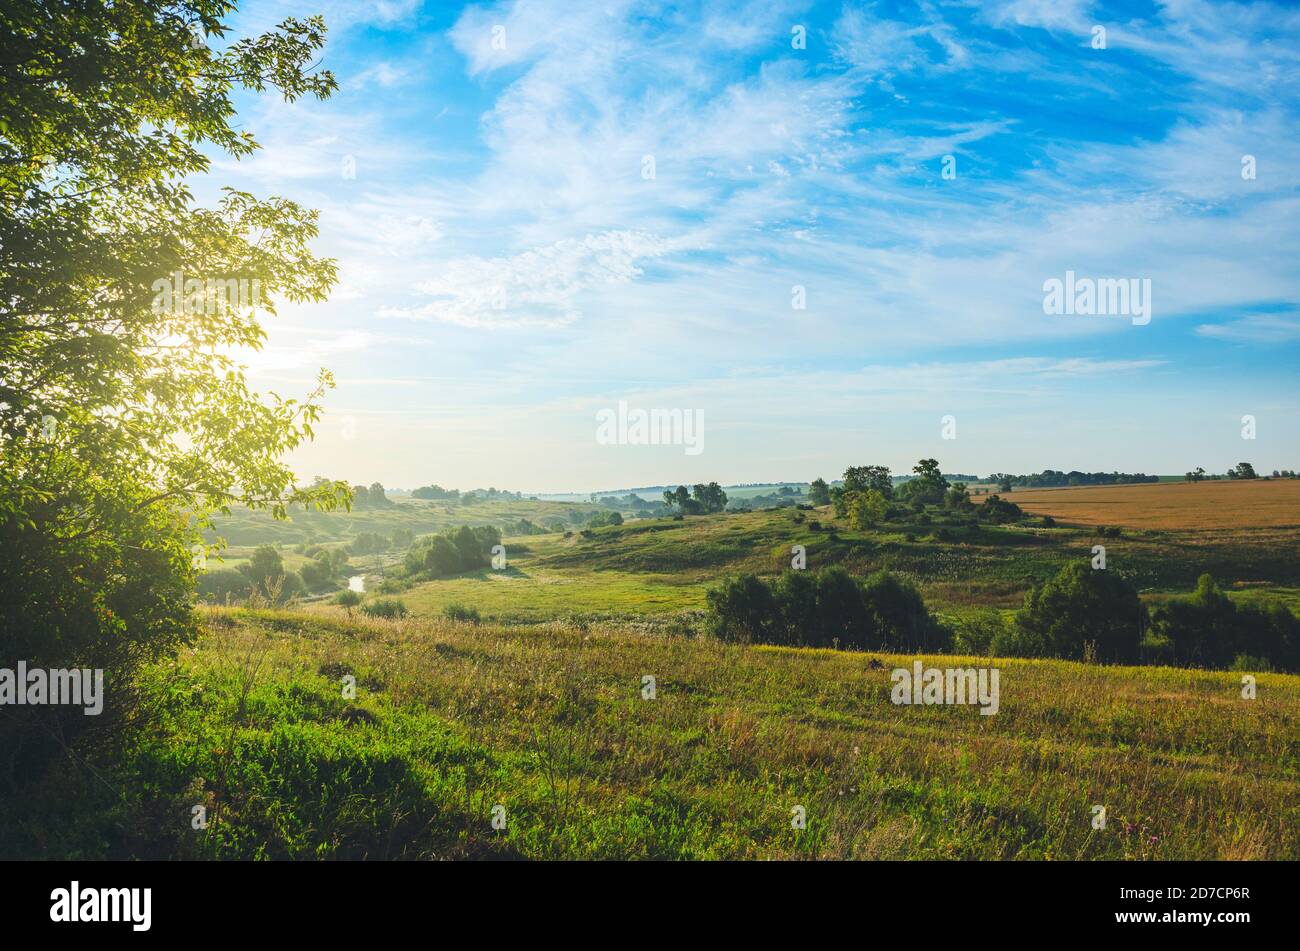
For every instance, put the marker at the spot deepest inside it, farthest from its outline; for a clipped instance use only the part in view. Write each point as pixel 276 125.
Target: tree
pixel 819 492
pixel 348 599
pixel 868 509
pixel 677 498
pixel 998 510
pixel 742 609
pixel 265 565
pixel 1210 630
pixel 842 612
pixel 469 547
pixel 865 478
pixel 840 501
pixel 929 485
pixel 1244 470
pixel 902 621
pixel 1081 607
pixel 124 421
pixel 957 497
pixel 710 497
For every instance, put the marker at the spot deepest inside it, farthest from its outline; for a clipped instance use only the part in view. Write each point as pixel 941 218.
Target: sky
pixel 824 231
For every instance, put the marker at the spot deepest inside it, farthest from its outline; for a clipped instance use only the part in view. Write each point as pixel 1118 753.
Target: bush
pixel 975 633
pixel 1012 640
pixel 348 599
pixel 1083 606
pixel 999 511
pixel 842 614
pixel 601 519
pixel 902 621
pixel 796 594
pixel 742 609
pixel 317 575
pixel 216 587
pixel 390 608
pixel 827 608
pixel 452 552
pixel 458 612
pixel 1209 630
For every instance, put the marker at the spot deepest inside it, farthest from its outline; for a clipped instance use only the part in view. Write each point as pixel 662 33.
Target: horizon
pixel 821 244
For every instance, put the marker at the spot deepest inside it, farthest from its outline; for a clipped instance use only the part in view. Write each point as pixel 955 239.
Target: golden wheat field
pixel 1257 503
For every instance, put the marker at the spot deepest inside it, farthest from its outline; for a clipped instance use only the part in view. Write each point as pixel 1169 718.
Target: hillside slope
pixel 551 723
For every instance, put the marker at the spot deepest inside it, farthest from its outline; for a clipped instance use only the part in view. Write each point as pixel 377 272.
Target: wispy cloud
pixel 645 190
pixel 1257 328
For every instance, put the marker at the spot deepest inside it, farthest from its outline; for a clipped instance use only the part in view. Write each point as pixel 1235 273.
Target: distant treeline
pixel 438 493
pixel 1054 477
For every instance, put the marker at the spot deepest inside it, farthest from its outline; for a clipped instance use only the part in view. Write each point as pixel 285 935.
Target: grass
pixel 662 566
pixel 539 709
pixel 549 721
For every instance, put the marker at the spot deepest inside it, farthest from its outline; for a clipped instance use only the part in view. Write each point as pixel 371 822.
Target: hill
pixel 553 724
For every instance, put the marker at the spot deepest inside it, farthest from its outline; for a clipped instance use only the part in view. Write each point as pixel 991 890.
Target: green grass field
pixel 539 710
pixel 549 722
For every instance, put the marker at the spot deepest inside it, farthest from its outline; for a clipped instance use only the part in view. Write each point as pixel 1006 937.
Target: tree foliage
pixel 124 420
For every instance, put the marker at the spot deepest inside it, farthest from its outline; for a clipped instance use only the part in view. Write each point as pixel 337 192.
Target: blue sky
pixel 509 268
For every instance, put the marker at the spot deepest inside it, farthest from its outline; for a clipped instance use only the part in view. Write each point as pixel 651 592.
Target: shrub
pixel 458 612
pixel 742 609
pixel 842 614
pixel 601 519
pixel 795 593
pixel 317 574
pixel 902 621
pixel 1082 606
pixel 348 599
pixel 469 547
pixel 999 511
pixel 1012 640
pixel 975 633
pixel 390 608
pixel 1209 630
pixel 1244 663
pixel 217 586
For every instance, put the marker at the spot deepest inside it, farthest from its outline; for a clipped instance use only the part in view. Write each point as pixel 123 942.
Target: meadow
pixel 553 724
pixel 538 717
pixel 657 566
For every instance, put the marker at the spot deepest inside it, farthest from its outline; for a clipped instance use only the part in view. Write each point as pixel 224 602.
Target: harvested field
pixel 1257 503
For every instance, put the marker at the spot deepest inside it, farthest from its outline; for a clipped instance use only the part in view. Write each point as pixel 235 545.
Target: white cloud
pixel 536 288
pixel 1257 328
